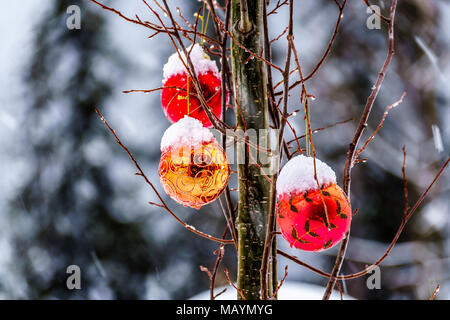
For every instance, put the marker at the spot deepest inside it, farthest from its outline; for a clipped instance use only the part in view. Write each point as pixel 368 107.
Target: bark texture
pixel 255 189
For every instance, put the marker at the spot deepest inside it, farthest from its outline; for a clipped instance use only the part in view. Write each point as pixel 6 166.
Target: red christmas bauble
pixel 175 100
pixel 311 218
pixel 175 103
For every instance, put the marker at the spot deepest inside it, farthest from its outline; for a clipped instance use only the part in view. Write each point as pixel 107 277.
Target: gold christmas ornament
pixel 193 169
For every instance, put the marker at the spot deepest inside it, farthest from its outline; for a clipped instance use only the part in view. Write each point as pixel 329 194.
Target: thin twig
pixel 376 13
pixel 152 90
pixel 234 286
pixel 220 252
pixel 386 112
pixel 281 283
pixel 405 219
pixel 217 123
pixel 352 149
pixel 405 184
pixel 316 130
pixel 163 203
pixel 271 213
pixel 325 54
pixel 435 292
pixel 277 6
pixel 259 57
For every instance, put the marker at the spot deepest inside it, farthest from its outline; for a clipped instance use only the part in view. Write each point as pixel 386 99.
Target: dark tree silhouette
pixel 65 212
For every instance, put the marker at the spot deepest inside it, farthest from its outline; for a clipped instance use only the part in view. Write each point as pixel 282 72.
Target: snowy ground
pixel 289 291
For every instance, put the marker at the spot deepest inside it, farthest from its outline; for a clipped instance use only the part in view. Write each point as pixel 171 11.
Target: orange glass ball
pixel 194 176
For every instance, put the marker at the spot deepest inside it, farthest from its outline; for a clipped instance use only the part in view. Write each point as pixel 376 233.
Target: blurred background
pixel 69 194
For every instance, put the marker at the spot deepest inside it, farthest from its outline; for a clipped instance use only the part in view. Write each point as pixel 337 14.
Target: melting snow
pixel 201 61
pixel 186 132
pixel 298 175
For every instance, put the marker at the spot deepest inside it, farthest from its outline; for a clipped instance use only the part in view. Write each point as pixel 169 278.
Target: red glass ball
pixel 305 223
pixel 175 103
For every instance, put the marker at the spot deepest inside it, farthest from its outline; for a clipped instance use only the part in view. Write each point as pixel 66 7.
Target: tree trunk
pixel 255 189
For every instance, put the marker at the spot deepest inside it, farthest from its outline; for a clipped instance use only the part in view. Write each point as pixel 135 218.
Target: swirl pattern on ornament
pixel 194 176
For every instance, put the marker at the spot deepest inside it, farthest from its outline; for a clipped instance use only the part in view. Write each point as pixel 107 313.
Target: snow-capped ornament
pixel 193 169
pixel 310 218
pixel 179 97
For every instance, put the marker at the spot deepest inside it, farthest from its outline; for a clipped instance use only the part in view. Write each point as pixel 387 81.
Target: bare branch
pixel 220 252
pixel 281 283
pixel 322 128
pixel 435 292
pixel 163 203
pixel 386 112
pixel 349 162
pixel 271 213
pixel 278 6
pixel 234 286
pixel 324 56
pixel 406 217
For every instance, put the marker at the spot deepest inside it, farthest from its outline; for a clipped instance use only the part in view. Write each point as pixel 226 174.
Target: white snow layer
pixel 298 175
pixel 201 61
pixel 186 132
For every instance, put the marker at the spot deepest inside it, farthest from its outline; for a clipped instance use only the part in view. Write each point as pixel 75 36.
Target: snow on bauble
pixel 193 169
pixel 310 218
pixel 174 95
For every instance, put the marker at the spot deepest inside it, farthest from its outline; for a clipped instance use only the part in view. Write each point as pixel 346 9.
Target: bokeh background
pixel 69 194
